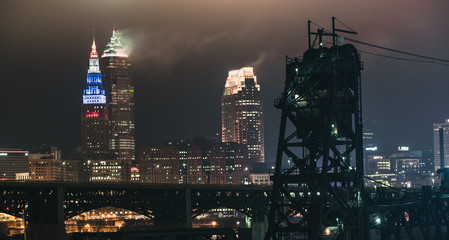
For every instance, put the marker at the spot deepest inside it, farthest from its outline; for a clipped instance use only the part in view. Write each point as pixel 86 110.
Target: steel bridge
pixel 171 206
pixel 389 213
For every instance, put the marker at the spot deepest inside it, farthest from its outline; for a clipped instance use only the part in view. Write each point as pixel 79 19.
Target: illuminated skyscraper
pixel 94 113
pixel 116 67
pixel 242 113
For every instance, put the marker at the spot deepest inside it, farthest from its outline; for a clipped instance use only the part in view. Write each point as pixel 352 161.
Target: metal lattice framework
pixel 408 214
pixel 321 135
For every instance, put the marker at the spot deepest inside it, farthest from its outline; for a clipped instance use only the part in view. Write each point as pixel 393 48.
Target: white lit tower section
pixel 116 67
pixel 242 113
pixel 94 113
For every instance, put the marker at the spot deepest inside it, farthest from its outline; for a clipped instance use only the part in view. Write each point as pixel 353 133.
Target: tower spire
pixel 114 48
pixel 94 53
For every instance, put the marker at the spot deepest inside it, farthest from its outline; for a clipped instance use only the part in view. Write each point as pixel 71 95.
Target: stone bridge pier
pixel 45 215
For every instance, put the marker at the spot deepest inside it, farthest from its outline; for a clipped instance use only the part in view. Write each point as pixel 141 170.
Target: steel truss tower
pixel 319 196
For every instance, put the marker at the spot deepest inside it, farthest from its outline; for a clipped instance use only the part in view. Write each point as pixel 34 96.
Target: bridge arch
pixel 17 213
pixel 84 209
pixel 200 211
pixel 222 217
pixel 108 219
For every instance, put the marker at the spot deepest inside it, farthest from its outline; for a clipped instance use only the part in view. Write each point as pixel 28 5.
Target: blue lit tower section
pixel 116 67
pixel 94 113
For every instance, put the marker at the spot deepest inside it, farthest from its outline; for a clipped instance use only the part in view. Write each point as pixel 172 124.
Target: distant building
pixel 242 113
pixel 116 67
pixel 21 177
pixel 109 170
pixel 369 147
pixel 107 117
pixel 45 164
pixel 427 161
pixel 49 151
pixel 369 134
pixel 71 170
pixel 400 168
pixel 44 168
pixel 377 164
pixel 441 144
pixel 260 179
pixel 13 161
pixel 94 113
pixel 407 168
pixel 159 164
pixel 194 162
pixel 135 174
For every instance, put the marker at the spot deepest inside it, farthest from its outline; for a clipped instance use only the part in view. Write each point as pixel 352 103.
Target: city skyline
pixel 173 65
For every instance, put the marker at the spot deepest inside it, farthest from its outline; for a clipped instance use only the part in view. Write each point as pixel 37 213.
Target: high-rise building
pixel 441 144
pixel 12 161
pixel 94 113
pixel 116 67
pixel 242 113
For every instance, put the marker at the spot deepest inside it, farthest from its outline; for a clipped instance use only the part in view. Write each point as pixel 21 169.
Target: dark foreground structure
pixel 45 206
pixel 322 195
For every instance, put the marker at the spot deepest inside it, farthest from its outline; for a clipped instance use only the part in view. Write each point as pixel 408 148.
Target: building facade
pixel 13 161
pixel 45 169
pixel 72 170
pixel 242 113
pixel 260 179
pixel 441 144
pixel 116 67
pixel 109 171
pixel 94 113
pixel 185 162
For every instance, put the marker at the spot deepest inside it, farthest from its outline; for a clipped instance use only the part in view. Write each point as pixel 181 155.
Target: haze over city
pixel 182 51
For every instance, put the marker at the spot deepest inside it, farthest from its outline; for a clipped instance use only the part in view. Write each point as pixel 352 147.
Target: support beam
pixel 188 193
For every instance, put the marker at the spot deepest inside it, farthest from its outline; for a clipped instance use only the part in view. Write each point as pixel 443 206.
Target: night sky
pixel 182 50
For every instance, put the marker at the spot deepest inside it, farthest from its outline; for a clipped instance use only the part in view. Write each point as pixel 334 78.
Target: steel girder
pixel 418 217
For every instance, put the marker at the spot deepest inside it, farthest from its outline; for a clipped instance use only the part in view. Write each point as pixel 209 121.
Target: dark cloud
pixel 181 53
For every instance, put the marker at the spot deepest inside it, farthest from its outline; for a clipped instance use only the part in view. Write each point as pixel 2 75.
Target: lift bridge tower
pixel 319 196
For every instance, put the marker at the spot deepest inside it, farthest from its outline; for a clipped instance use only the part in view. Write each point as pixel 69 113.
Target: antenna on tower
pixel 93 32
pixel 113 26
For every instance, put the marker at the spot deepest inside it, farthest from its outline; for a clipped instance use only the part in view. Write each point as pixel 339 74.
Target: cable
pixel 397 51
pixel 403 59
pixel 344 24
pixel 433 59
pixel 320 26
